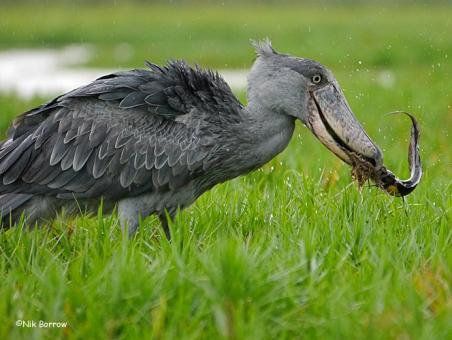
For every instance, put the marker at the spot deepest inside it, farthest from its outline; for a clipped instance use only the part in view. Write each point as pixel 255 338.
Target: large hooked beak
pixel 334 124
pixel 332 121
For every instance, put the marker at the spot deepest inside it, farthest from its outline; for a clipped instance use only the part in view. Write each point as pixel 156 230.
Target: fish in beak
pixel 334 124
pixel 384 178
pixel 326 113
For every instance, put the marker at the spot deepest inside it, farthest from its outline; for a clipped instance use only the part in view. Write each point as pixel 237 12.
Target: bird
pixel 151 141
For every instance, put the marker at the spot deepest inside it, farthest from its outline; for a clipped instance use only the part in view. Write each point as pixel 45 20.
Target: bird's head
pixel 304 89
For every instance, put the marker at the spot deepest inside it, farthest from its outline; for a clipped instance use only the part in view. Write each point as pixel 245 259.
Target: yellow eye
pixel 317 78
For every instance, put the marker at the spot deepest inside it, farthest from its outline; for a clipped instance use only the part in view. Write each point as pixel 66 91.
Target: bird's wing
pixel 122 135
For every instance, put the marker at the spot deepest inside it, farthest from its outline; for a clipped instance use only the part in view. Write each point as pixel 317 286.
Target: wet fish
pixel 362 170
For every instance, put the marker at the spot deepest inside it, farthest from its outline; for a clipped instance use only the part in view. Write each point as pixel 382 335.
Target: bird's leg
pixel 129 212
pixel 129 224
pixel 164 220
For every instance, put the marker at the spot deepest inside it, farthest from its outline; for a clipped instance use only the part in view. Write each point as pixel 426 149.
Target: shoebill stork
pixel 152 141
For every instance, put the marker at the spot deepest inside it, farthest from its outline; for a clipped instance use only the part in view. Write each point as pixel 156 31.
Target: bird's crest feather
pixel 263 47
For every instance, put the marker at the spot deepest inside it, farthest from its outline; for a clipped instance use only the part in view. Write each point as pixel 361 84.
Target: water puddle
pixel 50 72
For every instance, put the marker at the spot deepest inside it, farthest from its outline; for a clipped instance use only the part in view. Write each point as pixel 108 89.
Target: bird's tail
pixel 11 208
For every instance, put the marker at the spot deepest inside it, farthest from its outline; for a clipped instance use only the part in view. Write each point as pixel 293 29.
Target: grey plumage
pixel 150 141
pixel 118 136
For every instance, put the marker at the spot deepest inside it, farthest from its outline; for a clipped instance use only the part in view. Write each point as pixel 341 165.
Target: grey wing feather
pixel 119 135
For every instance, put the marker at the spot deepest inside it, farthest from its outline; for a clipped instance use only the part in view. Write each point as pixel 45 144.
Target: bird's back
pixel 124 135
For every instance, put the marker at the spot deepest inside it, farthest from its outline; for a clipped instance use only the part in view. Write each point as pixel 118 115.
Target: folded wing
pixel 122 135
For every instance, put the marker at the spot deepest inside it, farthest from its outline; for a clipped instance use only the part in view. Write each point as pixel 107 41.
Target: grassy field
pixel 293 250
pixel 218 36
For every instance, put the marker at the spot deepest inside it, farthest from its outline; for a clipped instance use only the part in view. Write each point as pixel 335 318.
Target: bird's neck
pixel 268 133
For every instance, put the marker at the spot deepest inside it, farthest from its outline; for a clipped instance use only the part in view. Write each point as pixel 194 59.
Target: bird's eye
pixel 317 78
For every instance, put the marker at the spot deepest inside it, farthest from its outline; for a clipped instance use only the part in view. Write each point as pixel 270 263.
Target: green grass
pixel 293 250
pixel 218 36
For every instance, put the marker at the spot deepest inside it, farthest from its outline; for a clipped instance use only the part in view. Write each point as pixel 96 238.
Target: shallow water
pixel 49 72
